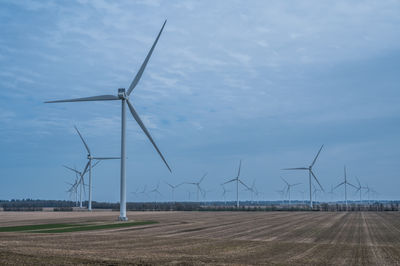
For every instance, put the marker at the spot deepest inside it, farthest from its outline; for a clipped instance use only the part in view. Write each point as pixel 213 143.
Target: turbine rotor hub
pixel 122 94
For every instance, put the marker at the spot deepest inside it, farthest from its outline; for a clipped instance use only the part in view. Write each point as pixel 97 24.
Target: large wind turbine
pixel 123 96
pixel 237 179
pixel 89 165
pixel 197 184
pixel 345 183
pixel 310 173
pixel 289 186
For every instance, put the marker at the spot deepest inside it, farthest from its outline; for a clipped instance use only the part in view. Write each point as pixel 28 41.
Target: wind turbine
pixel 123 96
pixel 237 179
pixel 197 184
pixel 289 186
pixel 173 187
pixel 310 173
pixel 345 183
pixel 74 188
pixel 80 183
pixel 89 165
pixel 156 192
pixel 330 192
pixel 224 193
pixel 359 189
pixel 315 191
pixel 282 193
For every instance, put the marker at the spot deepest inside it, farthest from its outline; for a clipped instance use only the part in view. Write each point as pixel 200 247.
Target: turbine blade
pixel 358 181
pixel 298 168
pixel 203 177
pixel 240 166
pixel 144 64
pixel 72 169
pixel 351 185
pixel 139 121
pixel 86 168
pixel 317 179
pixel 96 163
pixel 88 99
pixel 284 180
pixel 315 159
pixel 338 185
pixel 241 182
pixel 229 181
pixel 84 142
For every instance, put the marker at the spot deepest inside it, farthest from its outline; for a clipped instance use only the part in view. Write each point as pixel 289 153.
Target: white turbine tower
pixel 197 184
pixel 237 179
pixel 89 166
pixel 310 173
pixel 345 183
pixel 123 96
pixel 288 187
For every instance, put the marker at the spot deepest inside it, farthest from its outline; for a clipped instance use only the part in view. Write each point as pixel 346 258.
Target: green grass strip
pixel 35 227
pixel 95 227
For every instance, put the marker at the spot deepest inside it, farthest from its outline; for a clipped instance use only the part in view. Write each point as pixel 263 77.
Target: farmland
pixel 283 238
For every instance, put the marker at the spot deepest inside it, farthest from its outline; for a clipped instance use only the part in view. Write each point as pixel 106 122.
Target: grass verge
pixel 35 227
pixel 95 227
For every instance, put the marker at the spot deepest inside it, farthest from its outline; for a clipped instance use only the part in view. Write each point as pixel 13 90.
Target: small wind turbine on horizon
pixel 315 191
pixel 282 193
pixel 156 192
pixel 224 193
pixel 89 165
pixel 359 189
pixel 123 96
pixel 288 187
pixel 345 183
pixel 237 179
pixel 173 187
pixel 310 173
pixel 197 184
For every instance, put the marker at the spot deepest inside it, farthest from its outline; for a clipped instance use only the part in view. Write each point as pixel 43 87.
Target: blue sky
pixel 267 82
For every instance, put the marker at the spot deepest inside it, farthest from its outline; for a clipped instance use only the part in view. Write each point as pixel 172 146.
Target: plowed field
pixel 229 238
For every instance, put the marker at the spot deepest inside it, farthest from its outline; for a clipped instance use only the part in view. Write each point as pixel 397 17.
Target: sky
pixel 265 82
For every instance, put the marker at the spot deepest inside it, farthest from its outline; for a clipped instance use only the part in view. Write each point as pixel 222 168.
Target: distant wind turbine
pixel 197 184
pixel 80 183
pixel 310 173
pixel 173 187
pixel 359 189
pixel 288 187
pixel 237 180
pixel 345 183
pixel 123 96
pixel 89 165
pixel 156 191
pixel 224 193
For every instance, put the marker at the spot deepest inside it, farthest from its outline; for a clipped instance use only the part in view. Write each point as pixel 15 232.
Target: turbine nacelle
pixel 122 94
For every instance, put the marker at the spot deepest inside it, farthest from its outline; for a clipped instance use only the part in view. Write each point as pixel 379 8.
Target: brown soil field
pixel 216 238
